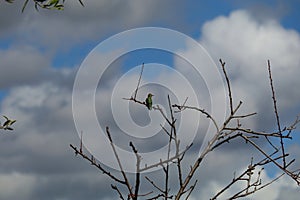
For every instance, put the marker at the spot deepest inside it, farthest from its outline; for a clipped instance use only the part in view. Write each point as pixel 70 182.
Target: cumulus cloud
pixel 246 44
pixel 37 155
pixel 60 30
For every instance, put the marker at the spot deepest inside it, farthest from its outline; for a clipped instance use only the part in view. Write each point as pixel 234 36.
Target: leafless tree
pixel 224 133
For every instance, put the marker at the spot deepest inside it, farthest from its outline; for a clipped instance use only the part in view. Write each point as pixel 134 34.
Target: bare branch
pixel 256 132
pixel 256 188
pixel 119 162
pixel 97 165
pixel 153 184
pixel 137 174
pixel 114 187
pixel 191 190
pixel 276 113
pixel 225 133
pixel 272 145
pixel 135 100
pixel 244 116
pixel 183 107
pixel 167 167
pixel 138 85
pixel 161 162
pixel 228 86
pixel 208 148
pixel 156 197
pixel 283 168
pixel 225 140
pixel 176 142
pixel 292 126
pixel 248 172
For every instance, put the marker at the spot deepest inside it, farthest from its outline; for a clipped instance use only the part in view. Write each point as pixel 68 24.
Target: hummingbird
pixel 148 101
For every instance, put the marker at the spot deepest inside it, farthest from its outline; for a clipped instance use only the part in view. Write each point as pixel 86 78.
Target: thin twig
pixel 226 140
pixel 156 197
pixel 255 132
pixel 119 162
pixel 135 100
pixel 207 149
pixel 191 190
pixel 256 183
pixel 167 167
pixel 97 165
pixel 176 142
pixel 276 113
pixel 289 173
pixel 228 86
pixel 137 174
pixel 114 187
pixel 269 141
pixel 161 162
pixel 248 172
pixel 153 184
pixel 183 107
pixel 137 87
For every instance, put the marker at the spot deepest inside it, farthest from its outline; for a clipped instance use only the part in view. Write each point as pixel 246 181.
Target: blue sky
pixel 41 54
pixel 198 13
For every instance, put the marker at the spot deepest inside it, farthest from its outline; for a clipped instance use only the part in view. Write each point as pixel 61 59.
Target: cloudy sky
pixel 61 71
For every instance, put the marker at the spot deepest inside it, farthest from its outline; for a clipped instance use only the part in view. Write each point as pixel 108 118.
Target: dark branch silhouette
pixel 223 134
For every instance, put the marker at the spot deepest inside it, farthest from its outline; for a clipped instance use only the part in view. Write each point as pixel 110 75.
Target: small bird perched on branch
pixel 148 101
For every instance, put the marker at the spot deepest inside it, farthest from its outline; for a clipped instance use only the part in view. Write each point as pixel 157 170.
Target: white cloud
pixel 43 109
pixel 16 186
pixel 245 45
pixel 278 189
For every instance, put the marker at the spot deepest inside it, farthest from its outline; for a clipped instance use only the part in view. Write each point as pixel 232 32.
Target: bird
pixel 148 101
pixel 6 125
